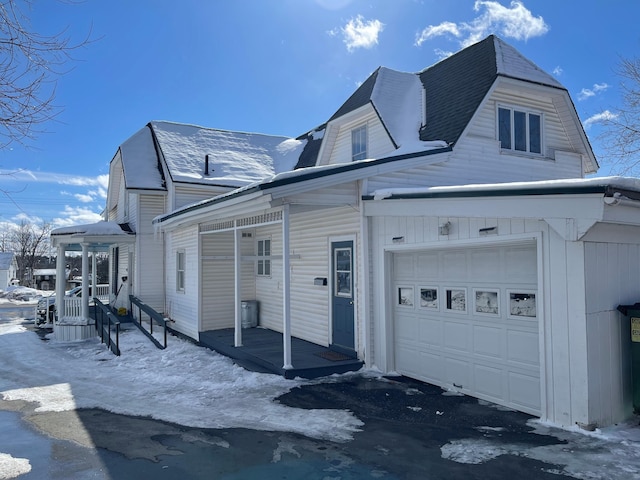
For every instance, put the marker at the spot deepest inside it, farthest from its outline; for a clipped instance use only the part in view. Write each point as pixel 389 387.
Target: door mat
pixel 333 356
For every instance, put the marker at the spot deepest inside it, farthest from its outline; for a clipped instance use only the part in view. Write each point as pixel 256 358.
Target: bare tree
pixel 30 242
pixel 30 64
pixel 621 136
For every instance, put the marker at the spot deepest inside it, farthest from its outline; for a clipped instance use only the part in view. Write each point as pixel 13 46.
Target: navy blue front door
pixel 342 295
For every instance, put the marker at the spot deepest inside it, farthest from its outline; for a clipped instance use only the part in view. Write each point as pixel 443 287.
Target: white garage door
pixel 466 319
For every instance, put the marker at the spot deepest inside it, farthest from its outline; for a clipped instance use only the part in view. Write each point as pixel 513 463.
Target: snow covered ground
pixel 193 386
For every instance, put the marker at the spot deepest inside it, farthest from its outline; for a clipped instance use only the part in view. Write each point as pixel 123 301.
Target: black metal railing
pixel 107 326
pixel 153 317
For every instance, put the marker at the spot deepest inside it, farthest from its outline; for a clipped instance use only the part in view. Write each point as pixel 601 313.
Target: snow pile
pixel 11 467
pixel 183 384
pixel 20 295
pixel 608 454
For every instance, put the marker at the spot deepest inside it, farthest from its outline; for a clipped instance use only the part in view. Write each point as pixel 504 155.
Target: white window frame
pixel 512 139
pixel 263 257
pixel 181 267
pixel 359 138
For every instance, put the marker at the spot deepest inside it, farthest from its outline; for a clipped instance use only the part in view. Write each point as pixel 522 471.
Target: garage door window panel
pixel 486 302
pixel 405 296
pixel 456 300
pixel 522 304
pixel 429 298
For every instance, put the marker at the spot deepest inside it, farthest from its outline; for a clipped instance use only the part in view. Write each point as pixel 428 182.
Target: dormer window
pixel 359 143
pixel 520 130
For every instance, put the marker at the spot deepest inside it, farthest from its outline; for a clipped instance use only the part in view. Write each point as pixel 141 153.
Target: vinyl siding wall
pixel 149 274
pixel 182 307
pixel 612 279
pixel 310 237
pixel 185 194
pixel 378 142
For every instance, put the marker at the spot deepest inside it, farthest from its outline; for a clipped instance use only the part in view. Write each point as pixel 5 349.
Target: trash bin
pixel 249 313
pixel 633 312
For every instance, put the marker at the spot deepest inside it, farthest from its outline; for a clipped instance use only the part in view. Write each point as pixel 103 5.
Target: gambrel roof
pixel 453 89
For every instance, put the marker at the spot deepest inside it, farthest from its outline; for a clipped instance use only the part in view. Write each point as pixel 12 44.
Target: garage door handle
pixel 350 303
pixel 457 386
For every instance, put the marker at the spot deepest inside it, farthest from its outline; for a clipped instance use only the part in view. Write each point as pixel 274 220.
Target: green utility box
pixel 633 312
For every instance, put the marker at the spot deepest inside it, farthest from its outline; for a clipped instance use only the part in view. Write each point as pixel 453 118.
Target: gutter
pixel 607 191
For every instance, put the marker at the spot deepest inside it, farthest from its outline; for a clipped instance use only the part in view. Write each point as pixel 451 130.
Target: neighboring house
pixel 8 269
pixel 425 229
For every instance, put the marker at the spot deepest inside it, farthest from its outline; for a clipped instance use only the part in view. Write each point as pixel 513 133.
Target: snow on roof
pixel 235 158
pixel 5 260
pixel 140 162
pixel 99 228
pixel 512 63
pixel 397 97
pixel 623 183
pixel 39 272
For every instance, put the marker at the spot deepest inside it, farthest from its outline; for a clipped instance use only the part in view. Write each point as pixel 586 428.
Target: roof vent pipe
pixel 206 164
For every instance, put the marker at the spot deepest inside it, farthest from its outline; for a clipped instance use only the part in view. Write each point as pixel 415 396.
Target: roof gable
pixel 140 162
pixel 6 259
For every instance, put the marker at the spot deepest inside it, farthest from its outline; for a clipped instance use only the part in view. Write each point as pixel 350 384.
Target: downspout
pixel 237 285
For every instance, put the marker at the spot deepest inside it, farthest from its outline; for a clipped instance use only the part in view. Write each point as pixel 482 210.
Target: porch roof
pixel 98 235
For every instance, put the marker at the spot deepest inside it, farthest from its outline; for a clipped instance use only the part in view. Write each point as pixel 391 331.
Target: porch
pixel 262 351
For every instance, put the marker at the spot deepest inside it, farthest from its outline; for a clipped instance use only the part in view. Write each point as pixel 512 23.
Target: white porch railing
pixel 101 293
pixel 72 312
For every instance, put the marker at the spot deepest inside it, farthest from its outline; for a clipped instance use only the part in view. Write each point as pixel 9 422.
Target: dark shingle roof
pixel 359 98
pixel 454 89
pixel 309 155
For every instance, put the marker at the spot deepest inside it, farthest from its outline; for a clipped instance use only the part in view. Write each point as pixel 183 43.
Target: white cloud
pixel 557 71
pixel 84 197
pixel 591 92
pixel 602 117
pixel 361 33
pixel 76 216
pixel 515 21
pixel 52 177
pixel 436 31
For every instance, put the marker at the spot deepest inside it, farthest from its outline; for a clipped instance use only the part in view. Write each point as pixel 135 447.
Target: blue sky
pixel 273 66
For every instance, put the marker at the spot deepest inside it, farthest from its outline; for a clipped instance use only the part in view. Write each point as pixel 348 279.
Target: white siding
pixel 612 279
pixel 378 142
pixel 182 307
pixel 310 238
pixel 217 281
pixel 185 194
pixel 149 269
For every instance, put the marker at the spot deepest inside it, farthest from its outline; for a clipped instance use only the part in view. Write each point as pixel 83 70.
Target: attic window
pixel 359 143
pixel 520 130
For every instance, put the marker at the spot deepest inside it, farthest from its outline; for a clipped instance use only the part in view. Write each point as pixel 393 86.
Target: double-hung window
pixel 180 270
pixel 263 267
pixel 520 130
pixel 359 143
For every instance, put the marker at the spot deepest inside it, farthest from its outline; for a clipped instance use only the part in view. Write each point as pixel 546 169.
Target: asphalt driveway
pixel 410 431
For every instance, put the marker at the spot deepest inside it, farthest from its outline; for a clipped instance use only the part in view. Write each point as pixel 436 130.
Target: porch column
pixel 60 282
pixel 94 273
pixel 237 285
pixel 286 290
pixel 85 281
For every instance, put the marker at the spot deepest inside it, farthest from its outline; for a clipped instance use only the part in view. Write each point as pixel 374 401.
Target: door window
pixel 343 278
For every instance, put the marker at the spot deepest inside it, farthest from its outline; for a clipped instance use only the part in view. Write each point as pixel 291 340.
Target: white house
pixel 8 269
pixel 427 228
